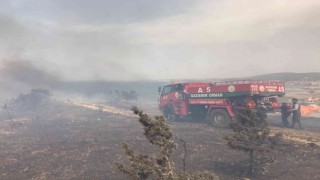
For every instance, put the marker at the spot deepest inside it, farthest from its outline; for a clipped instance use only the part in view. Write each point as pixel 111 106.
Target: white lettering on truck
pixel 199 95
pixel 208 89
pixel 206 95
pixel 216 95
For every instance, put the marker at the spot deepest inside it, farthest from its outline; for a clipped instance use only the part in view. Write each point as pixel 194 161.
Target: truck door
pixel 170 101
pixel 166 94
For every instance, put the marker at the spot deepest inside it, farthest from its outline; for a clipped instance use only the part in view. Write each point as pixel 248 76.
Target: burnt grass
pixel 63 141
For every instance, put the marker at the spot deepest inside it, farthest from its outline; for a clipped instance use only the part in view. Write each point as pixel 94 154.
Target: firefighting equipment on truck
pixel 250 103
pixel 274 103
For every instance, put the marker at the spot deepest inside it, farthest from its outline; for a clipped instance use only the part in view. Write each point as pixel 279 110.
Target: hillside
pixel 288 76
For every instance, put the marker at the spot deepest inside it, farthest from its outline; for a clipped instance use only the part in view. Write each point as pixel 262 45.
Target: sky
pixel 151 40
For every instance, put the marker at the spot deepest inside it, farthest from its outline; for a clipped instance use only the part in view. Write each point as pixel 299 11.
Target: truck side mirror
pixel 159 89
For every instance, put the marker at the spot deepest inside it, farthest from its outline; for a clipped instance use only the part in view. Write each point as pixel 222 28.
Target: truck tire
pixel 219 118
pixel 169 114
pixel 166 111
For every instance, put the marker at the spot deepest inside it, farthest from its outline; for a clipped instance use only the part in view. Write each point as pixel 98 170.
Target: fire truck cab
pixel 219 102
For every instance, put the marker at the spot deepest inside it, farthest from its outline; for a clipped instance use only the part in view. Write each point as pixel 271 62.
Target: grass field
pixel 72 141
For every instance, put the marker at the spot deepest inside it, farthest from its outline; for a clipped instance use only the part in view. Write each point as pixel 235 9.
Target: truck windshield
pixel 166 90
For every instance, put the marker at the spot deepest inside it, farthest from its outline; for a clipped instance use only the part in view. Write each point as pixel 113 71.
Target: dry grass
pixel 72 142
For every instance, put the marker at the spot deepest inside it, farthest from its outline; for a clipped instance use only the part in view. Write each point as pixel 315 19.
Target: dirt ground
pixel 72 141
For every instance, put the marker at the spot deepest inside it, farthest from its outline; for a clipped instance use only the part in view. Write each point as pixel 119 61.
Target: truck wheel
pixel 169 114
pixel 219 118
pixel 166 112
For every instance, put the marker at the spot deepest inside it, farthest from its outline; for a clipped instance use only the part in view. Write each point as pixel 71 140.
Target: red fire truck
pixel 219 102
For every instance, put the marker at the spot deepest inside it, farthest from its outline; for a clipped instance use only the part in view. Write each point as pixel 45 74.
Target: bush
pixel 252 137
pixel 160 166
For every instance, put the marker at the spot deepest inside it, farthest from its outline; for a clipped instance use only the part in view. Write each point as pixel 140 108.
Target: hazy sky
pixel 161 39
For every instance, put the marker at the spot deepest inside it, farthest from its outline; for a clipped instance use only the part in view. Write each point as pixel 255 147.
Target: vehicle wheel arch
pixel 219 117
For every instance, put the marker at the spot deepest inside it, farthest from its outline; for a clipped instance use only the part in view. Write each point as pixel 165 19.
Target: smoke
pixel 14 36
pixel 23 71
pixel 107 40
pixel 19 75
